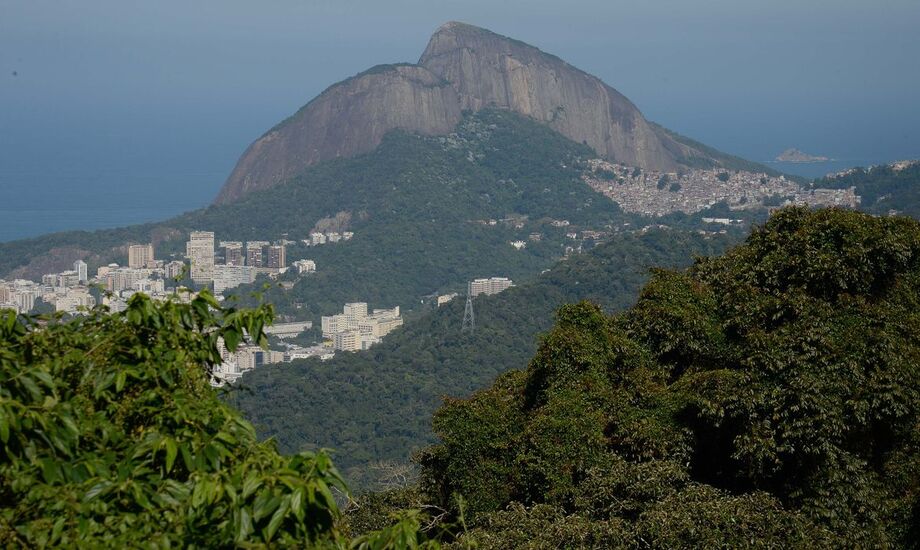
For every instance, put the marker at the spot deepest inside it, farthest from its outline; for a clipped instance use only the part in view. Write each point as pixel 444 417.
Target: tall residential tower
pixel 200 251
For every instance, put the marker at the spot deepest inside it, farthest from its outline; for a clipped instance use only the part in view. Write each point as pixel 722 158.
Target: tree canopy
pixel 767 397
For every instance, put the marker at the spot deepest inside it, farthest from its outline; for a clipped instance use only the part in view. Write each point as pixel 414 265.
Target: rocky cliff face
pixel 463 68
pixel 347 119
pixel 491 70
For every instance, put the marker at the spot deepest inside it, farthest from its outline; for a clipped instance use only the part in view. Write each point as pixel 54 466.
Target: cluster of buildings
pixel 657 193
pixel 67 291
pixel 226 266
pixel 318 238
pixel 247 357
pixel 241 262
pixel 71 291
pixel 355 329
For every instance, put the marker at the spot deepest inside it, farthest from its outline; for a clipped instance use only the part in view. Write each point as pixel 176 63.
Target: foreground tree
pixel 768 397
pixel 112 437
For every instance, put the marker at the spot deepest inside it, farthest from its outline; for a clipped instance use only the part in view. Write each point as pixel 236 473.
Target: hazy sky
pixel 179 86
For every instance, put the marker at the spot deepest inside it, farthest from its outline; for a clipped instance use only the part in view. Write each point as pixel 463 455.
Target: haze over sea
pixel 113 114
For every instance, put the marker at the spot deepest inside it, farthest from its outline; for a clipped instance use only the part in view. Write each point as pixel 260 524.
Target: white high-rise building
pixel 80 267
pixel 141 256
pixel 200 251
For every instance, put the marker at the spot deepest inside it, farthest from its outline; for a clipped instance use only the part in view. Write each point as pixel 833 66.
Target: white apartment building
pixel 141 256
pixel 305 266
pixel 288 330
pixel 124 278
pixel 349 340
pixel 200 251
pixel 231 276
pixel 80 268
pixel 490 286
pixel 149 286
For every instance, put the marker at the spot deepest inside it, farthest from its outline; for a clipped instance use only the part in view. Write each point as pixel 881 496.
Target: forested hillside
pixel 769 397
pixel 766 397
pixel 376 405
pixel 413 205
pixel 882 188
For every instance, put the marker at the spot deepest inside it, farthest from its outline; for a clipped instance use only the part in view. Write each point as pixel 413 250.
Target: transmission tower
pixel 469 321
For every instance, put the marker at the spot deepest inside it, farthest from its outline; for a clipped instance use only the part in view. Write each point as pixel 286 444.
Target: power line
pixel 469 320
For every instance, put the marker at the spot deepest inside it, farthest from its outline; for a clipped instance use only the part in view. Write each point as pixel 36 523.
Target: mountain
pixel 375 406
pixel 416 205
pixel 463 68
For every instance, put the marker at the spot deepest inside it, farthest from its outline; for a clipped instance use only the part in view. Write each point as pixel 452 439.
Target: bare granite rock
pixel 463 68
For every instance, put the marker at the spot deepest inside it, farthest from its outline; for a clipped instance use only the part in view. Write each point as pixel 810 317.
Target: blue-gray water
pixel 819 169
pixel 89 174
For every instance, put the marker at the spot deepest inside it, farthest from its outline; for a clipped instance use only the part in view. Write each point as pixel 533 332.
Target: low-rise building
pixel 305 266
pixel 227 277
pixel 288 330
pixel 444 298
pixel 490 286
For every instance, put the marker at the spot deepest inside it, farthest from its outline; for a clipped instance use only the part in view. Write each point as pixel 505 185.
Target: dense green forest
pixel 882 188
pixel 375 406
pixel 766 397
pixel 769 397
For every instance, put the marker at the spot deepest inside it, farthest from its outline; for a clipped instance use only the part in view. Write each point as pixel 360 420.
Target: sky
pixel 131 110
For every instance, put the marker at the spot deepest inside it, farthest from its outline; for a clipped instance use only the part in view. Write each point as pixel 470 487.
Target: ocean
pixel 60 180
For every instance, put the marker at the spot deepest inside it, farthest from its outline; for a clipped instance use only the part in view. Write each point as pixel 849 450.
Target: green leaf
pixel 297 504
pixel 276 520
pixel 120 379
pixel 245 526
pixel 4 425
pixel 231 338
pixel 171 451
